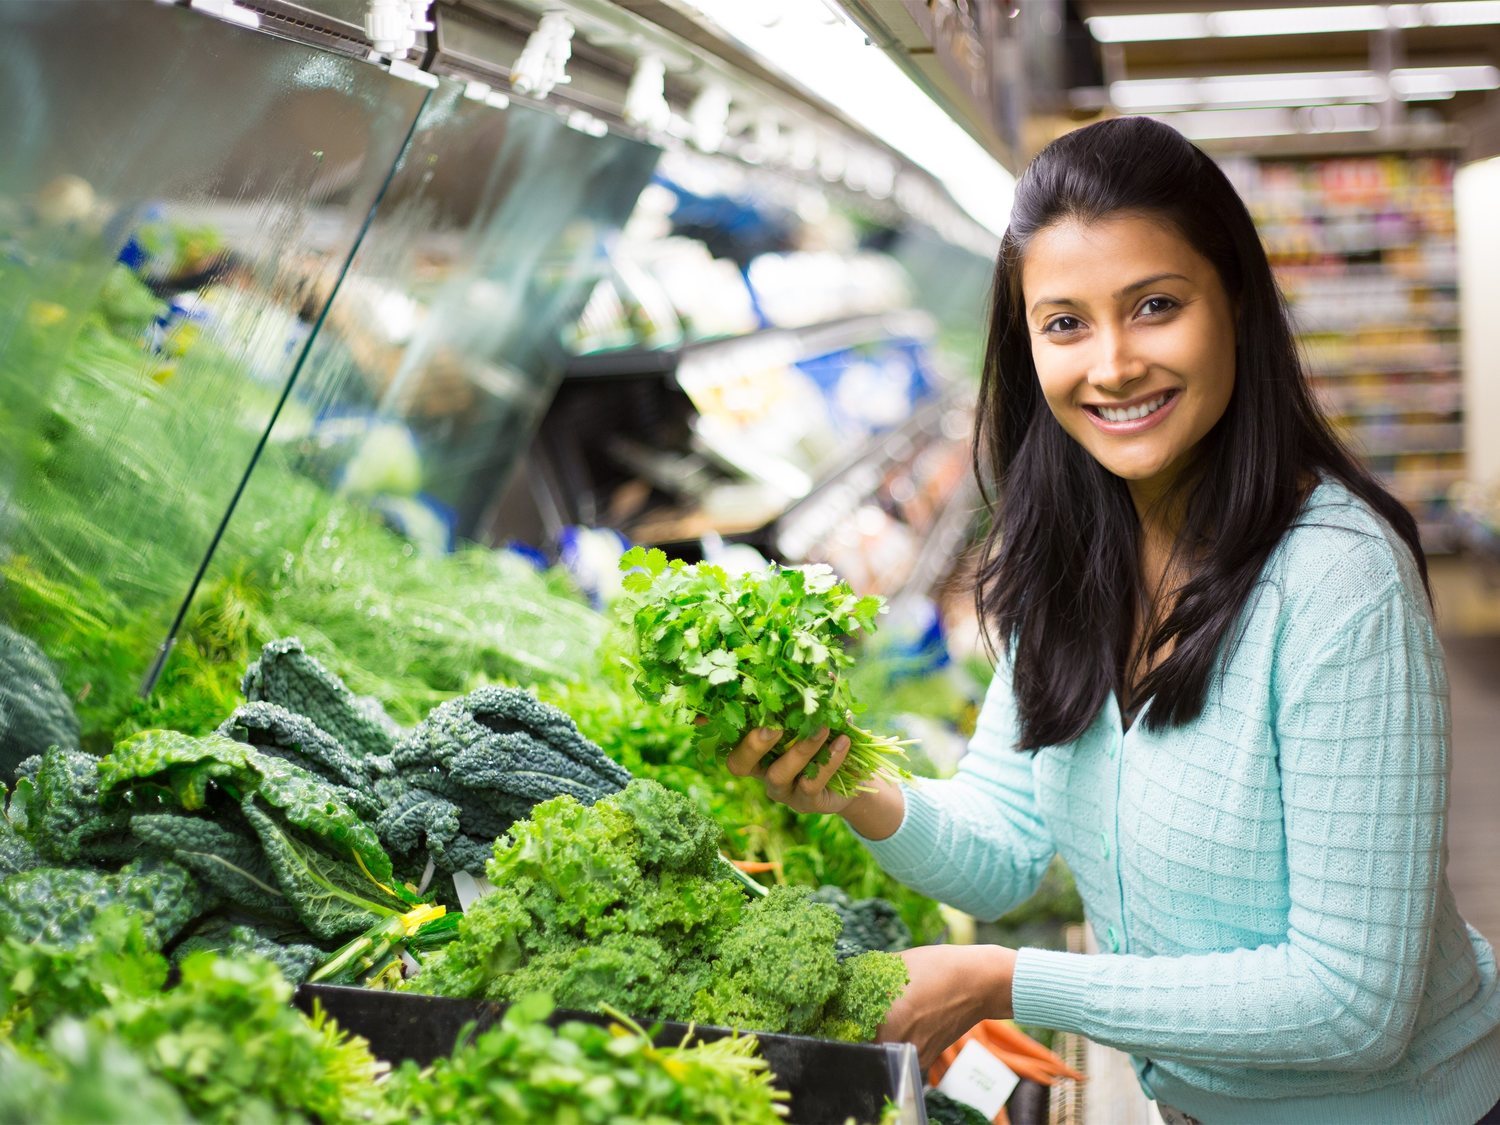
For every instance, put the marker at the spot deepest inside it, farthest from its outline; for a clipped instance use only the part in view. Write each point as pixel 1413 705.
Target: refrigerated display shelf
pixel 798 343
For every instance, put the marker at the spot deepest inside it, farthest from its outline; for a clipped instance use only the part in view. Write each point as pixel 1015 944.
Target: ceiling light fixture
pixel 1300 88
pixel 1291 20
pixel 1228 124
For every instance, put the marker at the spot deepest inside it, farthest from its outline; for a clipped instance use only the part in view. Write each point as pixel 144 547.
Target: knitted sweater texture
pixel 1268 883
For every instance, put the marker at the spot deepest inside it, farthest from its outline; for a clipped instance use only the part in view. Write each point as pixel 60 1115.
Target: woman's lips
pixel 1136 425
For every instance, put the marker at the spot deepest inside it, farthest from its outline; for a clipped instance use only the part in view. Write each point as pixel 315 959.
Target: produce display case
pixel 827 1081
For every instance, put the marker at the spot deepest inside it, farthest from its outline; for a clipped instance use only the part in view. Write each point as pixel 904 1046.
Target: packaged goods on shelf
pixel 1365 251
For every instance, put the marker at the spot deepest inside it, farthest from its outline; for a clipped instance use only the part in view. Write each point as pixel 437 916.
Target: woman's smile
pixel 1135 416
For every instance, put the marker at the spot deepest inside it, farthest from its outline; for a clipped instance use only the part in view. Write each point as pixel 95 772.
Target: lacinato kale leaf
pixel 35 713
pixel 485 759
pixel 287 676
pixel 278 733
pixel 59 904
pixel 764 649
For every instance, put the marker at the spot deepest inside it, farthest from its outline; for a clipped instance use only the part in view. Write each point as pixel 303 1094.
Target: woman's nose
pixel 1116 365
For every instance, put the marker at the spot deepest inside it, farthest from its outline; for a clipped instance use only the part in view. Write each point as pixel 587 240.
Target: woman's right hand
pixel 783 778
pixel 874 813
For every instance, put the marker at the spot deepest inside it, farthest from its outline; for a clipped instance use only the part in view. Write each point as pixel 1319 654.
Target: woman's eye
pixel 1155 306
pixel 1061 324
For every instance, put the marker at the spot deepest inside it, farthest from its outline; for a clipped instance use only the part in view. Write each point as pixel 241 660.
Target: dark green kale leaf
pixel 943 1110
pixel 59 904
pixel 228 859
pixel 64 820
pixel 35 712
pixel 491 756
pixel 869 923
pixel 279 733
pixel 287 676
pixel 290 951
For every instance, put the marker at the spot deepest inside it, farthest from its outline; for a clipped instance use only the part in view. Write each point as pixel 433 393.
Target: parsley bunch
pixel 766 649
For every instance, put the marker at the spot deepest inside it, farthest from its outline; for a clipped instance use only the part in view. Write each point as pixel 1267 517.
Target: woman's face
pixel 1133 339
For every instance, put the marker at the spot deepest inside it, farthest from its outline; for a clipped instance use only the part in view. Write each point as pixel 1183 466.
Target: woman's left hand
pixel 952 988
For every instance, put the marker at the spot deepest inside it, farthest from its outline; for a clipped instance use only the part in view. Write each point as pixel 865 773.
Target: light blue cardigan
pixel 1268 884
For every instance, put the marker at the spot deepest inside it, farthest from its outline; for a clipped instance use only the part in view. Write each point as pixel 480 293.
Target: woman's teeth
pixel 1110 414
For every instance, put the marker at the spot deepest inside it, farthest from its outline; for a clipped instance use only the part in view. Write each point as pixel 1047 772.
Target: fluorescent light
pixel 1464 14
pixel 1248 89
pixel 1225 124
pixel 1297 21
pixel 821 51
pixel 1300 88
pixel 1150 28
pixel 1291 20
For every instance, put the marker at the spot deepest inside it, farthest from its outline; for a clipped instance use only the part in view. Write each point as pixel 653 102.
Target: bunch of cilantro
pixel 764 649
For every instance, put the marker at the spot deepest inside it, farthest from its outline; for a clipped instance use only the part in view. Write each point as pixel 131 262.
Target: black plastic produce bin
pixel 828 1082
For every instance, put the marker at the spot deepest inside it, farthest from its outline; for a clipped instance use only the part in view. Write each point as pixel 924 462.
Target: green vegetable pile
pixel 92 1033
pixel 626 904
pixel 98 1030
pixel 522 1070
pixel 765 649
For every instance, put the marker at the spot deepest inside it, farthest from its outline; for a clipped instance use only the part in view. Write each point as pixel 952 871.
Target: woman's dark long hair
pixel 1059 573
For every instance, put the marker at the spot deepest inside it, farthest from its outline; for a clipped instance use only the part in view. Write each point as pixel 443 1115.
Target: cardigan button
pixel 1104 844
pixel 1112 939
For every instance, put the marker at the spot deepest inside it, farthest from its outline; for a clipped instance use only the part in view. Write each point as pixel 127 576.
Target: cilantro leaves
pixel 764 649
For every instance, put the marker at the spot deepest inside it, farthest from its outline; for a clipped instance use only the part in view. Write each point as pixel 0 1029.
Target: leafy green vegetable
pixel 868 923
pixel 64 821
pixel 582 1074
pixel 295 958
pixel 807 851
pixel 225 1037
pixel 287 676
pixel 477 764
pixel 84 1074
pixel 626 903
pixel 943 1110
pixel 59 904
pixel 35 714
pixel 275 731
pixel 765 649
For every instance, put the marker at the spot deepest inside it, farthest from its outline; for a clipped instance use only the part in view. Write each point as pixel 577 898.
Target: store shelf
pixel 1364 249
pixel 947 537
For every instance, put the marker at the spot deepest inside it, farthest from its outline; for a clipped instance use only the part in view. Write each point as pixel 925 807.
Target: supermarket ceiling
pixel 1244 74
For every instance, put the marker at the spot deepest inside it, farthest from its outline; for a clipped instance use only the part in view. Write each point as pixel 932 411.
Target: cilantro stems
pixel 764 649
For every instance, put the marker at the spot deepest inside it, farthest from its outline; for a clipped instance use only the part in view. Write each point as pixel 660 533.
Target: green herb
pixel 765 649
pixel 583 1074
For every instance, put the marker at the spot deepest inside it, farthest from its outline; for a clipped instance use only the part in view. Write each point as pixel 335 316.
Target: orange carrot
pixel 755 867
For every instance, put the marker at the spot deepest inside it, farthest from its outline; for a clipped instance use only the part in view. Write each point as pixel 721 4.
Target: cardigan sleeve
pixel 975 841
pixel 1362 732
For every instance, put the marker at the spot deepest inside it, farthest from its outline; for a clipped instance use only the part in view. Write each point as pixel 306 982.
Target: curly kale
pixel 776 969
pixel 35 712
pixel 59 904
pixel 626 903
pixel 280 733
pixel 287 676
pixel 488 757
pixel 869 923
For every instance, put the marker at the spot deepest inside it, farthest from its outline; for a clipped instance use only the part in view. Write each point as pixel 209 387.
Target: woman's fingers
pixel 744 759
pixel 837 752
pixel 784 771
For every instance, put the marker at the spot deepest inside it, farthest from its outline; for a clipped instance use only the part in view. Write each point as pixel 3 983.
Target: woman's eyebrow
pixel 1118 293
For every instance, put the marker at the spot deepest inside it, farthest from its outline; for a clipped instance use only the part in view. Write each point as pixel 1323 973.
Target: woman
pixel 1218 696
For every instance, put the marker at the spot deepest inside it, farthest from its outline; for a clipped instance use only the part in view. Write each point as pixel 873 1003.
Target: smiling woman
pixel 1179 535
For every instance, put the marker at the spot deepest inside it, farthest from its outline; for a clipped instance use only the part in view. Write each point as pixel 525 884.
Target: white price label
pixel 979 1079
pixel 470 888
